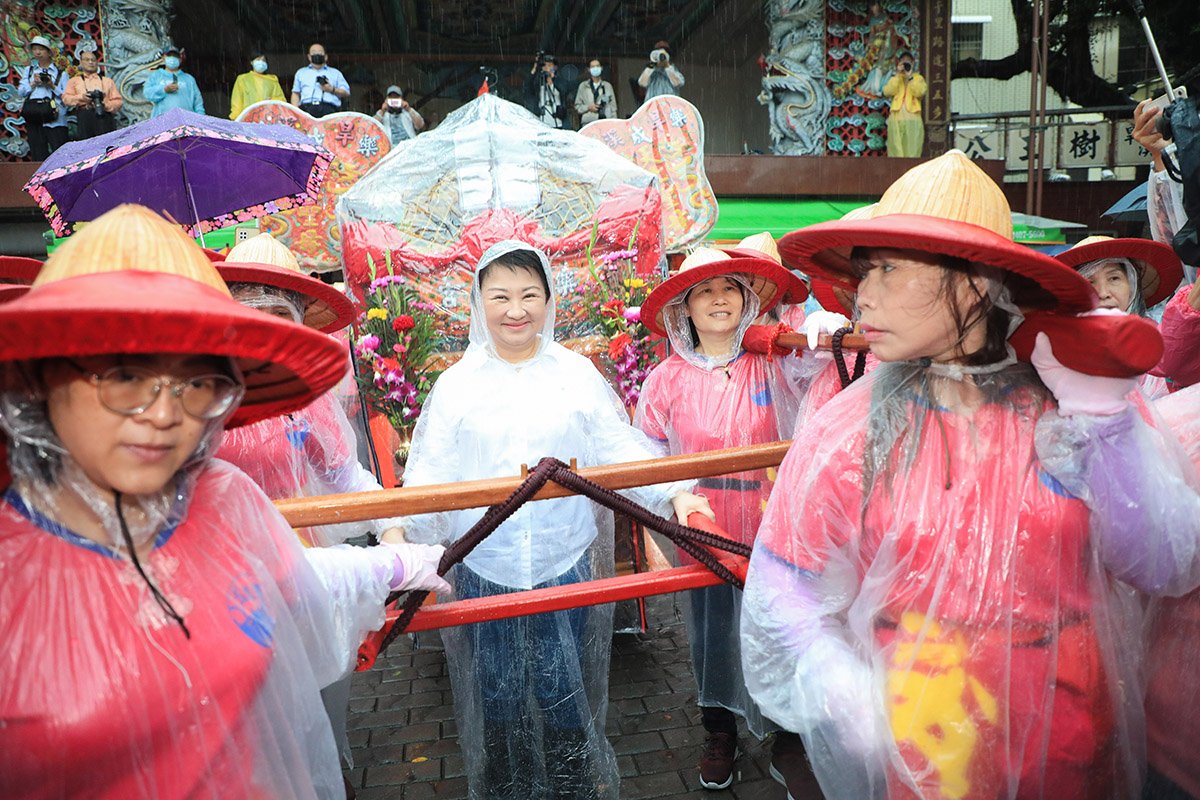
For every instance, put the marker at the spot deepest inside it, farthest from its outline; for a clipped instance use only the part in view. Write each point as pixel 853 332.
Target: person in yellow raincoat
pixel 906 129
pixel 254 86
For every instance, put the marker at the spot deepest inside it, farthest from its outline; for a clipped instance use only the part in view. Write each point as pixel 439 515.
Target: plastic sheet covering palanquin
pixel 311 452
pixel 531 693
pixel 1173 691
pixel 933 605
pixel 491 172
pixel 104 697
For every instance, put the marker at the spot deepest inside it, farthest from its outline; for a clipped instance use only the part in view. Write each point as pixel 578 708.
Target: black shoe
pixel 790 767
pixel 717 760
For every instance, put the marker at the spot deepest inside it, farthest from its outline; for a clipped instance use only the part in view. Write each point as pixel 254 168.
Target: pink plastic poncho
pixel 1173 692
pixel 694 403
pixel 308 453
pixel 104 697
pixel 938 613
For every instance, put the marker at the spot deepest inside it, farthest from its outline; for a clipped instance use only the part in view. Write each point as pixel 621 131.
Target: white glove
pixel 1076 392
pixel 835 688
pixel 819 322
pixel 416 567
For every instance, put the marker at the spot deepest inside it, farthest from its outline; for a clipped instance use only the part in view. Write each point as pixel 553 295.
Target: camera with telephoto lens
pixel 97 96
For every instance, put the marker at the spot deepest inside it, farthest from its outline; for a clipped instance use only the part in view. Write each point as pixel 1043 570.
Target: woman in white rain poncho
pixel 943 595
pixel 530 693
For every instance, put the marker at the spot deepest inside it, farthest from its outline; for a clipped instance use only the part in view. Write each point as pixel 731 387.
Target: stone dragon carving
pixel 135 34
pixel 793 84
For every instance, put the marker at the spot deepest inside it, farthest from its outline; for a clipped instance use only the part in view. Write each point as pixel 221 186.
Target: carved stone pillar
pixel 135 34
pixel 793 85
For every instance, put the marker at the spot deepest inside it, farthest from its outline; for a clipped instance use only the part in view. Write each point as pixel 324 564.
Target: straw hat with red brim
pixel 755 257
pixel 945 206
pixel 265 261
pixel 18 269
pixel 133 283
pixel 1159 269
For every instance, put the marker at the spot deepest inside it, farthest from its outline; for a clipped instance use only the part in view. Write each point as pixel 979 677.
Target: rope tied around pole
pixel 860 361
pixel 691 540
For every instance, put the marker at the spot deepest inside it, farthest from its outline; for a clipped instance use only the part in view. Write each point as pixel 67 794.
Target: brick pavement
pixel 402 727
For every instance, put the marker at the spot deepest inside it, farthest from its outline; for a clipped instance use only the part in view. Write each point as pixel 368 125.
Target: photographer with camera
pixel 401 119
pixel 545 92
pixel 319 89
pixel 661 77
pixel 94 97
pixel 595 99
pixel 171 87
pixel 42 84
pixel 906 129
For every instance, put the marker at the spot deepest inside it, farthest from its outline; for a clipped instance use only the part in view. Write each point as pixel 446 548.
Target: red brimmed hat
pixel 755 256
pixel 263 260
pixel 837 299
pixel 18 269
pixel 11 291
pixel 947 206
pixel 130 282
pixel 1159 269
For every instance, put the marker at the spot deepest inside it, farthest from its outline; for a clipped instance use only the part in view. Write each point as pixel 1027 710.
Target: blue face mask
pixel 171 62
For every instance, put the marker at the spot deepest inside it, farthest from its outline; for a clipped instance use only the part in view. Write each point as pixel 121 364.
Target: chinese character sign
pixel 1084 145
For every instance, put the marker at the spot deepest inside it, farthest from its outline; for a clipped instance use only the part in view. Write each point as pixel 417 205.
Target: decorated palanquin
pixel 491 172
pixel 358 143
pixel 666 138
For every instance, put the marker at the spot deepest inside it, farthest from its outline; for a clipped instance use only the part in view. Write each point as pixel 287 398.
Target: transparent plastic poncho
pixel 1173 691
pixel 105 695
pixel 531 694
pixel 944 597
pixel 693 402
pixel 307 453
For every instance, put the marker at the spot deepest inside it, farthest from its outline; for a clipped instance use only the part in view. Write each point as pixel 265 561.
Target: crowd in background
pixel 54 98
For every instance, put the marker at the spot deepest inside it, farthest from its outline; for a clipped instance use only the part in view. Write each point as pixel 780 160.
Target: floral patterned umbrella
pixel 203 172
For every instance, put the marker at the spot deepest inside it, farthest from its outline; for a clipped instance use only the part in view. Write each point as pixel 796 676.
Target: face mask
pixel 171 62
pixel 259 65
pixel 317 59
pixel 596 71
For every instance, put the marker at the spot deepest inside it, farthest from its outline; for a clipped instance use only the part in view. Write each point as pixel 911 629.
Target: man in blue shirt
pixel 42 85
pixel 171 87
pixel 318 88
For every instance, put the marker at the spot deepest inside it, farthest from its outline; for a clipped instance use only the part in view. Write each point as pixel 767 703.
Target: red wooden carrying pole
pixel 558 598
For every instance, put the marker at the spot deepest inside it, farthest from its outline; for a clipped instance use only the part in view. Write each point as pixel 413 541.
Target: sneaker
pixel 716 762
pixel 790 767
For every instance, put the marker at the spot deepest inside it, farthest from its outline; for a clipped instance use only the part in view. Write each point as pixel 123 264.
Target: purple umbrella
pixel 203 172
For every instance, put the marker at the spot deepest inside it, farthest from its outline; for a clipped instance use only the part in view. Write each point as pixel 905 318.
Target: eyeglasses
pixel 129 390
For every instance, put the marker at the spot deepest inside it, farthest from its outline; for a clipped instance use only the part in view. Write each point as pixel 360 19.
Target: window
pixel 966 41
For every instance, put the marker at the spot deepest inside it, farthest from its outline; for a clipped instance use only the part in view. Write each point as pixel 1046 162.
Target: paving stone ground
pixel 405 741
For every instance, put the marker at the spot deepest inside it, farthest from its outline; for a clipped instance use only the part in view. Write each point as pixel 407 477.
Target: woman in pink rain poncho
pixel 708 395
pixel 313 450
pixel 165 633
pixel 943 597
pixel 1130 275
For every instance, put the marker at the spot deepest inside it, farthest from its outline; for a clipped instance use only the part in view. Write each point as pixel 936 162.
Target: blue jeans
pixel 540 655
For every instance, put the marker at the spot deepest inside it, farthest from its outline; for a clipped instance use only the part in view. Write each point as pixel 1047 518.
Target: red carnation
pixel 403 323
pixel 618 344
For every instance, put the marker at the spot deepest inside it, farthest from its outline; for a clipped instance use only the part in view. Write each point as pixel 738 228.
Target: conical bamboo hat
pixel 263 249
pixel 130 237
pixel 951 186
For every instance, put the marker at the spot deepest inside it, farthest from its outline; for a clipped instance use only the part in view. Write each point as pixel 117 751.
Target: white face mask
pixel 259 65
pixel 596 71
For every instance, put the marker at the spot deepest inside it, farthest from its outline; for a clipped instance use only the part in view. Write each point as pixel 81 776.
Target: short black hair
pixel 526 260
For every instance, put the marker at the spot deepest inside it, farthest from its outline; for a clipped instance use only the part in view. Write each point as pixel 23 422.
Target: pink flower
pixel 633 314
pixel 368 344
